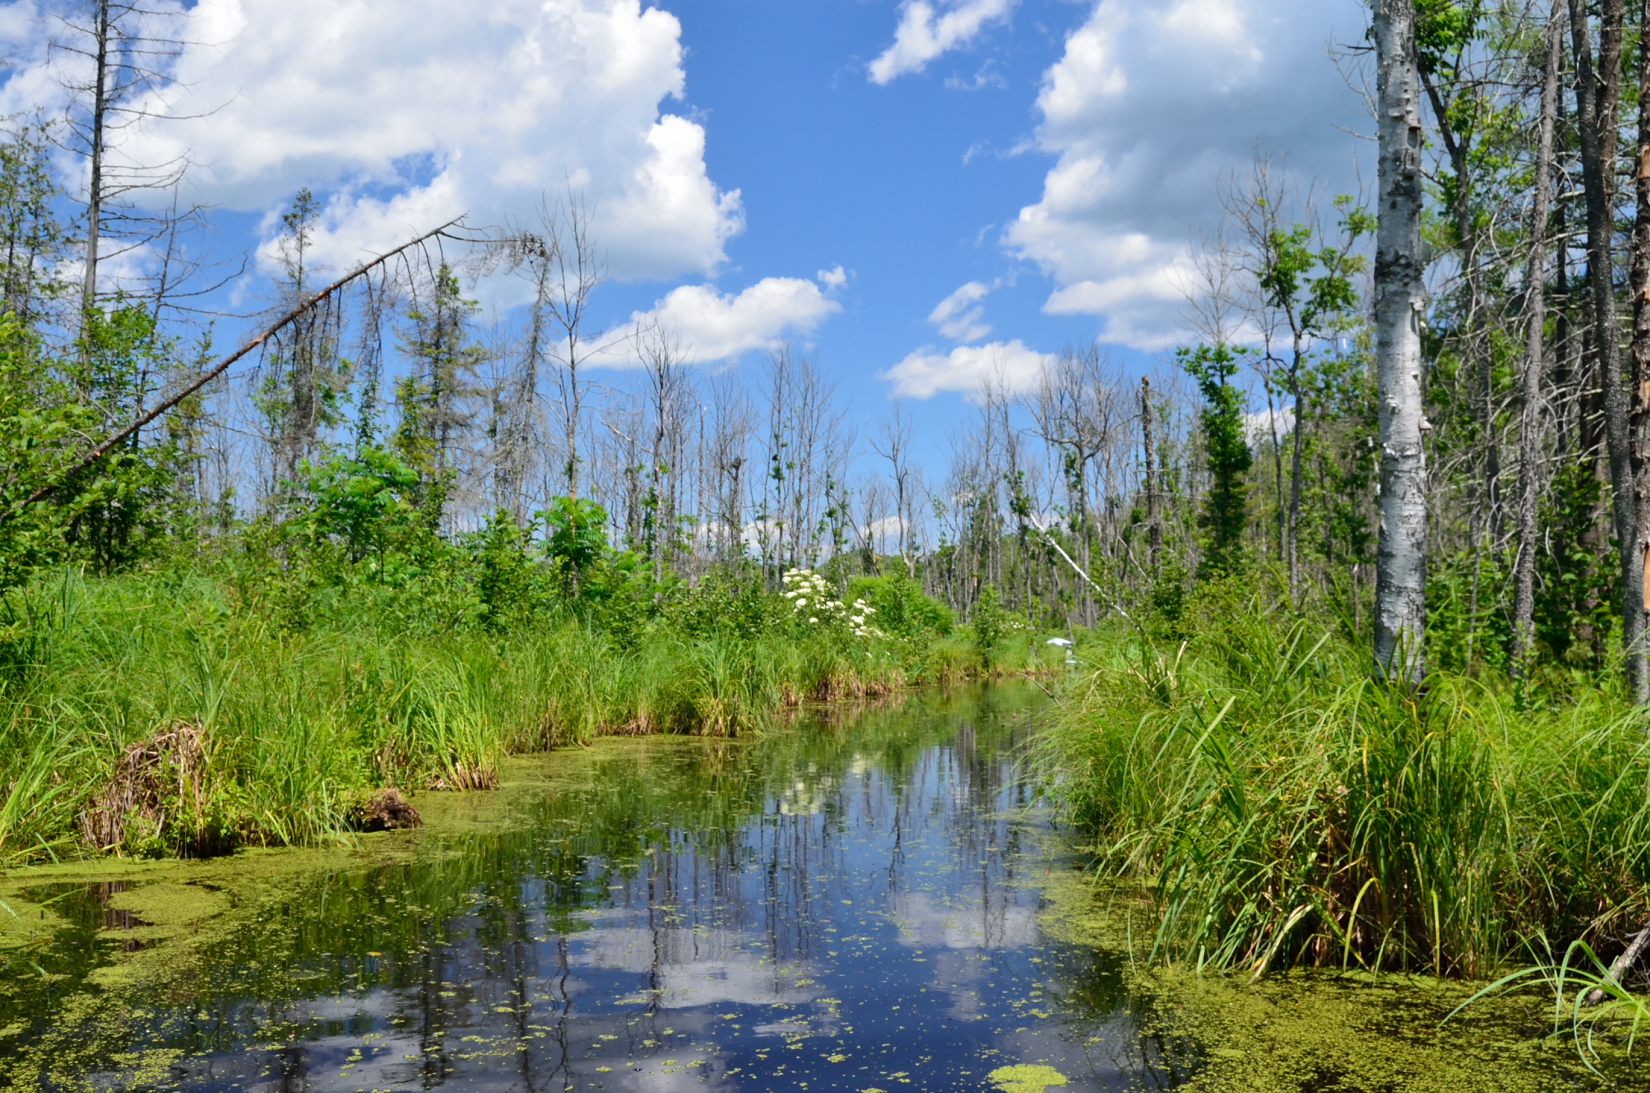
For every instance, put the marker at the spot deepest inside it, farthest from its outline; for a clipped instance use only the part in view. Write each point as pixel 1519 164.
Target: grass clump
pixel 1287 809
pixel 191 712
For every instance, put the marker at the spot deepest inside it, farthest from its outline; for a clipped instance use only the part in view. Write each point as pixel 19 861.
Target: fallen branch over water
pixel 1622 965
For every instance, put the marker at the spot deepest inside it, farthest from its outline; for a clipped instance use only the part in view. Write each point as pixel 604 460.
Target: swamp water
pixel 867 902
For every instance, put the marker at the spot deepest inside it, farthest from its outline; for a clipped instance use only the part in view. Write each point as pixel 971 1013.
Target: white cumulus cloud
pixel 960 317
pixel 1009 367
pixel 710 326
pixel 1152 108
pixel 401 115
pixel 927 31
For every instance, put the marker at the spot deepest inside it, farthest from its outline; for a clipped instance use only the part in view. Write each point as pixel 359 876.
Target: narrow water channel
pixel 848 905
pixel 853 902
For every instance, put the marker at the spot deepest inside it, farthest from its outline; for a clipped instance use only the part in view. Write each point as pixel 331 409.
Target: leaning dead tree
pixel 451 230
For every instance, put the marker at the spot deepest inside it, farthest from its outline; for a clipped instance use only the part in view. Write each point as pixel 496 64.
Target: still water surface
pixel 848 905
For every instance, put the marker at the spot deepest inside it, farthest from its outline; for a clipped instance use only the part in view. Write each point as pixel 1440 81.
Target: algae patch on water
pixel 167 908
pixel 1025 1078
pixel 25 922
pixel 1303 1032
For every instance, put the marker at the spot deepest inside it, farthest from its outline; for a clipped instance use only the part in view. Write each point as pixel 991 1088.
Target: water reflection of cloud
pixel 374 1005
pixel 925 923
pixel 807 797
pixel 690 968
pixel 963 975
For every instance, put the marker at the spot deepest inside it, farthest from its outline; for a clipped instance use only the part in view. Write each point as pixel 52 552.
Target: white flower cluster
pixel 811 595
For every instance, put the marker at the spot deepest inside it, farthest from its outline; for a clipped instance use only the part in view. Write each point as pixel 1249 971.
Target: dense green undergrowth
pixel 192 713
pixel 1286 809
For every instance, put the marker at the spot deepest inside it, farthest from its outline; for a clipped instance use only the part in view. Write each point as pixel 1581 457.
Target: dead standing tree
pixel 1535 356
pixel 895 446
pixel 113 64
pixel 1598 101
pixel 578 272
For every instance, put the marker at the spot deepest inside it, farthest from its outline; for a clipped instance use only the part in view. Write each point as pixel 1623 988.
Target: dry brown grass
pixel 158 792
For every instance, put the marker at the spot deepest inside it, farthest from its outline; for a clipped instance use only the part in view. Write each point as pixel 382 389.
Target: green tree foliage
pixel 33 241
pixel 436 397
pixel 901 607
pixel 364 503
pixel 1225 516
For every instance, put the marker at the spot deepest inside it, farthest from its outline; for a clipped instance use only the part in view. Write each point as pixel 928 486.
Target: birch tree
pixel 1400 582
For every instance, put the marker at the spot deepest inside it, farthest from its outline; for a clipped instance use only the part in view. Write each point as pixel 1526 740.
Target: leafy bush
pixel 901 607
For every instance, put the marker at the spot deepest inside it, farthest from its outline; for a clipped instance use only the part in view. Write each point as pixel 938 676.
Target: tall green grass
pixel 299 726
pixel 1285 809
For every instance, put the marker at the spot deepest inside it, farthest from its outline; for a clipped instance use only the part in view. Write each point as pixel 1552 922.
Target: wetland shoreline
pixel 632 870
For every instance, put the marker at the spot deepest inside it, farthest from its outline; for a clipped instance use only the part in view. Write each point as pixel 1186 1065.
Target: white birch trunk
pixel 1400 583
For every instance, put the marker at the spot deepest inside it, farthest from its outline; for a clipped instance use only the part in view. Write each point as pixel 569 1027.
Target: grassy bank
pixel 1284 809
pixel 176 714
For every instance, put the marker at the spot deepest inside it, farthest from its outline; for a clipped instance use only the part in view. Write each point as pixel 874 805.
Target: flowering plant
pixel 812 598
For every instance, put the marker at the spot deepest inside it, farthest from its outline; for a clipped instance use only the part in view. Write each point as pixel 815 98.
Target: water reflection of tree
pixel 697 842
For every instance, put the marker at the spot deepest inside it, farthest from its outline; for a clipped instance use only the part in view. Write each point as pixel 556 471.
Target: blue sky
pixel 820 171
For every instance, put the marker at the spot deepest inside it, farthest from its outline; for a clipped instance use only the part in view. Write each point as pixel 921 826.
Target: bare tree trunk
pixel 1293 530
pixel 579 271
pixel 1154 520
pixel 895 447
pixel 1277 462
pixel 661 357
pixel 1598 97
pixel 1400 595
pixel 1476 355
pixel 94 187
pixel 1639 424
pixel 1535 309
pixel 519 433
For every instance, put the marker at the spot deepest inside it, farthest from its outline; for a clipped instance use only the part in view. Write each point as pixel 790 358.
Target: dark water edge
pixel 860 902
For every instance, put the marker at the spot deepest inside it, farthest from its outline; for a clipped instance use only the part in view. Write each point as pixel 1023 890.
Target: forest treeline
pixel 391 421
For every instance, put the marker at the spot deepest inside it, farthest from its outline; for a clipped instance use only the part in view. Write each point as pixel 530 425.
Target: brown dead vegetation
pixel 384 810
pixel 157 797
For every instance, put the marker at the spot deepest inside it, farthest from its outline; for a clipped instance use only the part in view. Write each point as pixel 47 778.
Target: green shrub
pixel 902 609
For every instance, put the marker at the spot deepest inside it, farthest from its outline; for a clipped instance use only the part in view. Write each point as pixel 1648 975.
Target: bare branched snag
pixel 1535 356
pixel 1598 102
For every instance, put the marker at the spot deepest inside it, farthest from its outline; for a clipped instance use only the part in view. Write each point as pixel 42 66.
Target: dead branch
pixel 226 363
